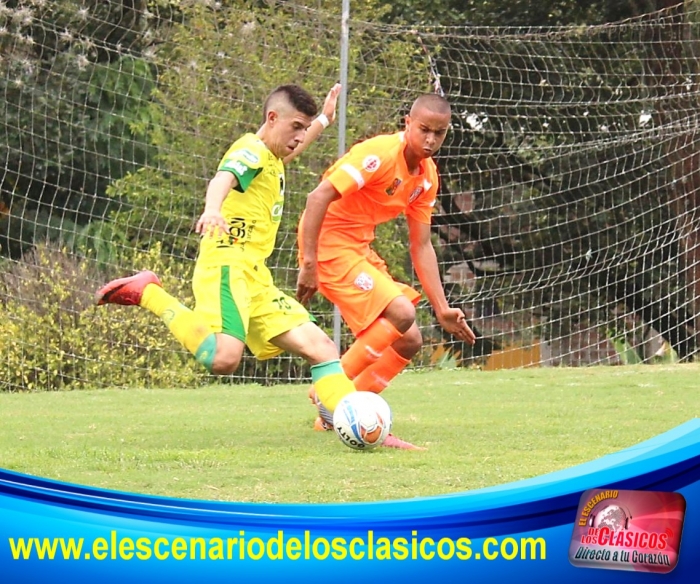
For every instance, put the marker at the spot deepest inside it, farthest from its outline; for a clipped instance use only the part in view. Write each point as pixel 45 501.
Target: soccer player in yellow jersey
pixel 374 182
pixel 237 303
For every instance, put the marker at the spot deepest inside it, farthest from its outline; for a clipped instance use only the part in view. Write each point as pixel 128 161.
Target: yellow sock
pixel 182 322
pixel 331 383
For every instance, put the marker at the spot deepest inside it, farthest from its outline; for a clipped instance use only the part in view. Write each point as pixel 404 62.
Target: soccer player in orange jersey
pixel 374 182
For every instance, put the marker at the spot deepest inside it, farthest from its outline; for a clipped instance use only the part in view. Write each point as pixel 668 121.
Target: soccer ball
pixel 362 420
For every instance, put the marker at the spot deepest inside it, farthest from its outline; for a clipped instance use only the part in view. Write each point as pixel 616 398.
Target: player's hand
pixel 211 223
pixel 331 101
pixel 454 322
pixel 307 284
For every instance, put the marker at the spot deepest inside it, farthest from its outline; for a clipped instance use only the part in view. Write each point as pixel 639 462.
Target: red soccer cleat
pixel 126 291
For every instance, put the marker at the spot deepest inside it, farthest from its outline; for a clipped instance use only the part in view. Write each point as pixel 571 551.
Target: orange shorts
pixel 361 287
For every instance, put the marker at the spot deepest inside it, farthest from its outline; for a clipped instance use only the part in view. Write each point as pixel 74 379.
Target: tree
pixel 538 115
pixel 221 63
pixel 75 84
pixel 516 13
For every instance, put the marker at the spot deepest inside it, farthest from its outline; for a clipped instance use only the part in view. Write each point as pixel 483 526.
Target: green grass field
pixel 253 443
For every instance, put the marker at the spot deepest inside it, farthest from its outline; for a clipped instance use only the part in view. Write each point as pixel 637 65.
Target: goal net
pixel 566 228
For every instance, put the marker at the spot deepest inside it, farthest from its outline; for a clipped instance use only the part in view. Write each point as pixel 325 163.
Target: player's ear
pixel 272 117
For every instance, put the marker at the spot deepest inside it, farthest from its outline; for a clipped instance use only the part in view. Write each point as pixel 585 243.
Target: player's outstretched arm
pixel 452 320
pixel 212 222
pixel 326 117
pixel 316 206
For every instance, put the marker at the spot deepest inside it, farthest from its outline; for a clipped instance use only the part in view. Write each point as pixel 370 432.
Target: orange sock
pixel 377 376
pixel 369 346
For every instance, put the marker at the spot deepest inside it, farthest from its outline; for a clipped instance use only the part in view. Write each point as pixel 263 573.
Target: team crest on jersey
pixel 415 194
pixel 371 163
pixel 394 185
pixel 364 281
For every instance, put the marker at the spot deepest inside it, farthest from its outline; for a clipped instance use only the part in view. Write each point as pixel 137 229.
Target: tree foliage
pixel 75 90
pixel 221 64
pixel 517 13
pixel 574 201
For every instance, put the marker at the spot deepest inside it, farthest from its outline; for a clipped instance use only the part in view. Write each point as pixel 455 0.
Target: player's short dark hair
pixel 434 102
pixel 296 96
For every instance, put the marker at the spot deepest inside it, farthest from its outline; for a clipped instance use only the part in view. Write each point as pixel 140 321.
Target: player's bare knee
pixel 228 353
pixel 401 313
pixel 225 364
pixel 410 343
pixel 227 357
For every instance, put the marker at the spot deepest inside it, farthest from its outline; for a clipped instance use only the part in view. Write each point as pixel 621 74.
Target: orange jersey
pixel 375 187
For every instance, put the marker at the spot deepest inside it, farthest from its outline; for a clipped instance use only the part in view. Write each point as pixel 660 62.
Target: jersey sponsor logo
pixel 415 194
pixel 392 188
pixel 238 229
pixel 371 163
pixel 364 281
pixel 276 211
pixel 250 156
pixel 235 166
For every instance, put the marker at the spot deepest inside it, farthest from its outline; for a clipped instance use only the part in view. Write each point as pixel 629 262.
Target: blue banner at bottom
pixel 556 526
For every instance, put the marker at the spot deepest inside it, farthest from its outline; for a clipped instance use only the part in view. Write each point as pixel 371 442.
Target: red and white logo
pixel 371 163
pixel 364 281
pixel 637 531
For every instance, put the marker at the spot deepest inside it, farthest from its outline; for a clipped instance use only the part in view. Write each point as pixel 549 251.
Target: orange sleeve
pixel 360 166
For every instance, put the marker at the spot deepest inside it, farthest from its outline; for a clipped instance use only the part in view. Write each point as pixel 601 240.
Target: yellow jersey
pixel 252 210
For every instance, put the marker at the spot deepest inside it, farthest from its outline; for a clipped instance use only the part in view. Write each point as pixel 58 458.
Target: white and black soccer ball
pixel 362 420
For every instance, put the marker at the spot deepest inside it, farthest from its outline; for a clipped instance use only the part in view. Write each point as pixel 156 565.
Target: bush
pixel 53 337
